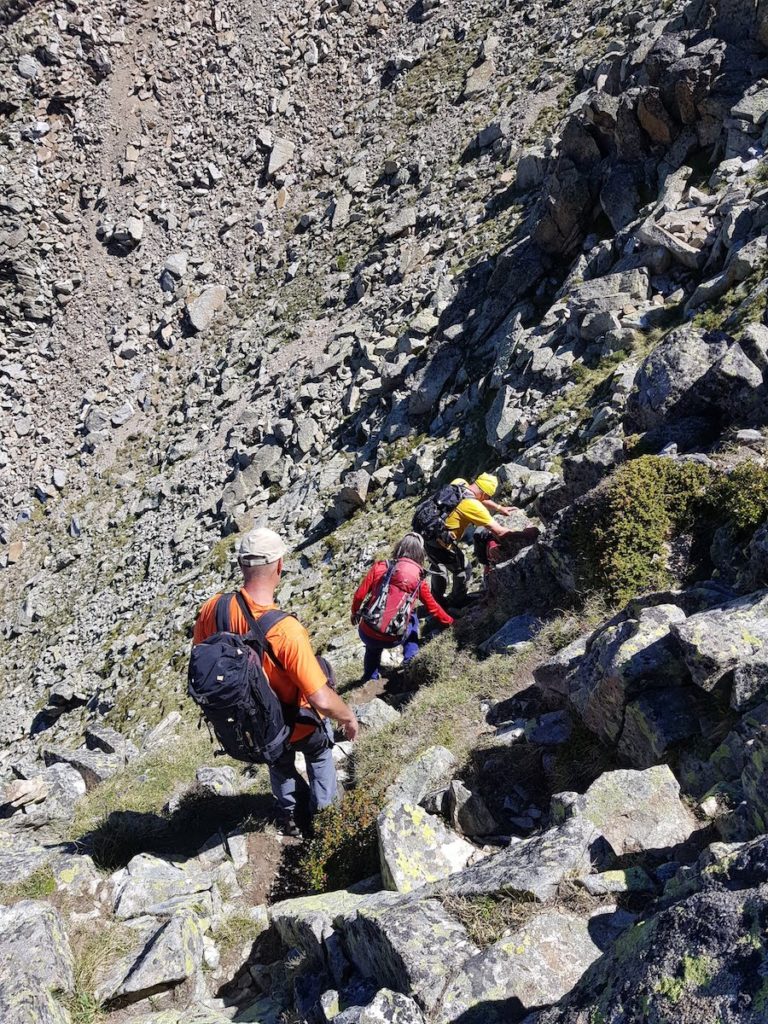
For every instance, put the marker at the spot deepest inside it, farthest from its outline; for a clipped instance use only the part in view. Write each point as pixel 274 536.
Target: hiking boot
pixel 286 826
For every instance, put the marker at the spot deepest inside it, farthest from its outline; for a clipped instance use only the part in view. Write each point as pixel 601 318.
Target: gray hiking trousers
pixel 290 789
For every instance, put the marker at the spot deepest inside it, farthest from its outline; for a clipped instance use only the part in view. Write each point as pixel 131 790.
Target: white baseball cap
pixel 261 546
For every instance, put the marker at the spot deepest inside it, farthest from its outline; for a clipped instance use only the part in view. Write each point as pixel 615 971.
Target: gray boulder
pixel 502 418
pixel 416 848
pixel 151 885
pixel 386 1007
pixel 533 868
pixel 62 787
pixel 196 1014
pixel 730 638
pixel 670 382
pixel 694 961
pixel 164 955
pixel 202 310
pixel 656 723
pixel 514 636
pixel 534 965
pixel 632 810
pixel 35 962
pixel 375 714
pixel 353 493
pixel 414 948
pixel 422 776
pixel 468 811
pixel 93 765
pixel 20 858
pixel 624 659
pixel 309 921
pixel 552 675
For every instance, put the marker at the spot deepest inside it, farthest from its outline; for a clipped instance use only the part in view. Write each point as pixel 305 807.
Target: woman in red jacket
pixel 384 604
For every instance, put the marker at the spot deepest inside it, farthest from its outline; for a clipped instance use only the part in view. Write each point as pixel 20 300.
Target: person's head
pixel 411 546
pixel 260 556
pixel 484 486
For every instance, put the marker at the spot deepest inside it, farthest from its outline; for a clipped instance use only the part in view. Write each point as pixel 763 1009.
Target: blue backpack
pixel 228 683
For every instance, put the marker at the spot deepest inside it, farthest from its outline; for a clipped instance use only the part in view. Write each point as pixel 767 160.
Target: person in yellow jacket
pixel 444 518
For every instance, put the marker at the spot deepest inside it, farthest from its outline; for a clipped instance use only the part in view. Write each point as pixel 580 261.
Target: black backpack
pixel 228 683
pixel 429 517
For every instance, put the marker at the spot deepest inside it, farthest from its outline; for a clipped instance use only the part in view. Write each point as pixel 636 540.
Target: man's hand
pixel 353 619
pixel 329 703
pixel 501 510
pixel 351 729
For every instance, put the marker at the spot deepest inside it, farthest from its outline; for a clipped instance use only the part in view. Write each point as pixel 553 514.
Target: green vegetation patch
pixel 95 951
pixel 344 847
pixel 38 885
pixel 620 532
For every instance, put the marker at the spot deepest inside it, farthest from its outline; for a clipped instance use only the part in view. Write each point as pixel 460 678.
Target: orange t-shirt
pixel 300 676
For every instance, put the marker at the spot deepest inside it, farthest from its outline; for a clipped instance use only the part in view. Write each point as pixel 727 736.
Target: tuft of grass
pixel 40 884
pixel 579 761
pixel 95 950
pixel 487 917
pixel 234 931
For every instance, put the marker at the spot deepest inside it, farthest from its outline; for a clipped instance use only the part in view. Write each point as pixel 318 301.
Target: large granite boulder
pixel 672 380
pixel 308 922
pixel 163 955
pixel 632 810
pixel 623 660
pixel 422 776
pixel 534 965
pixel 732 638
pixel 416 848
pixel 35 962
pixel 414 948
pixel 696 961
pixel 151 885
pixel 386 1007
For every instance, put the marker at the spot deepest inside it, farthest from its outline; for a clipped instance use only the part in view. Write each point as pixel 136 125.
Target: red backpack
pixel 389 604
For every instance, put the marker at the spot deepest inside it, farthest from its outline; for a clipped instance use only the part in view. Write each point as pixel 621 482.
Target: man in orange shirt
pixel 294 673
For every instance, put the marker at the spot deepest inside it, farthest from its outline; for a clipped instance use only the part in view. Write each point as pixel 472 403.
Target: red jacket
pixel 377 572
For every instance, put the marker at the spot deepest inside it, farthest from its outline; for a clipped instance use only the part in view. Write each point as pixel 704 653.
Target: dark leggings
pixel 455 561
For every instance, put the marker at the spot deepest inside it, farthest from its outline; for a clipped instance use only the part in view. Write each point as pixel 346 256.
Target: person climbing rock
pixel 442 521
pixel 384 605
pixel 300 680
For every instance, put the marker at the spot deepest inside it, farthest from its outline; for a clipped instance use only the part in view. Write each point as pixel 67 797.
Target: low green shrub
pixel 343 850
pixel 743 493
pixel 620 532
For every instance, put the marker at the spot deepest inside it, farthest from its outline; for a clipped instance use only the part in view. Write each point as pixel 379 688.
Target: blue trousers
pixel 374 648
pixel 289 788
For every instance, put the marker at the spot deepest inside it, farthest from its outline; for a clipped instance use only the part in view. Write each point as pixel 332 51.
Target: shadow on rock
pixel 123 834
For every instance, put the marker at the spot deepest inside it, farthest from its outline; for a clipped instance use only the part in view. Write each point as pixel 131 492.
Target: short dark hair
pixel 411 546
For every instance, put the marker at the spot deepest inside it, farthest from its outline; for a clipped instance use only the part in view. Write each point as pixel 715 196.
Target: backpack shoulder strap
pixel 261 626
pixel 222 613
